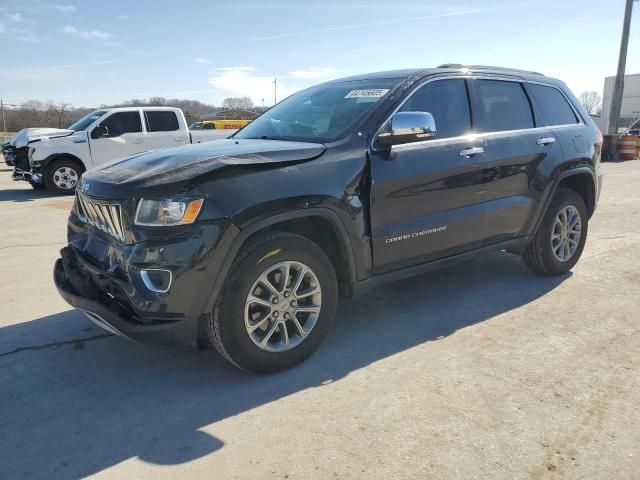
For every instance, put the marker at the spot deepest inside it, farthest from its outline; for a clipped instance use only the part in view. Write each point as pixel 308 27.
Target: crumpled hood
pixel 26 135
pixel 174 166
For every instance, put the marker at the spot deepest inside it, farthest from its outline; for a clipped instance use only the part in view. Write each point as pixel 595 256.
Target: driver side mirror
pixel 407 127
pixel 99 132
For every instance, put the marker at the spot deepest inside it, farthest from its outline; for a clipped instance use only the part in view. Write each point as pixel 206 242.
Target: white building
pixel 630 101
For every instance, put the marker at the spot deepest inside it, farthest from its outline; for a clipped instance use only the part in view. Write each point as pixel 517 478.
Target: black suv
pixel 247 242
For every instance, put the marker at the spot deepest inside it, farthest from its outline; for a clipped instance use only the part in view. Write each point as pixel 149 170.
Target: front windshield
pixel 319 114
pixel 87 120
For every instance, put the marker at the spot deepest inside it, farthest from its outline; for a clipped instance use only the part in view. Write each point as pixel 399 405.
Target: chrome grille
pixel 104 215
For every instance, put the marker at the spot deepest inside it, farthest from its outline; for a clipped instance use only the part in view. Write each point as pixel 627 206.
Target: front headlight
pixel 159 213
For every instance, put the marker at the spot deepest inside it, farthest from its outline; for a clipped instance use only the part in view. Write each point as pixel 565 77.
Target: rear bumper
pixel 77 290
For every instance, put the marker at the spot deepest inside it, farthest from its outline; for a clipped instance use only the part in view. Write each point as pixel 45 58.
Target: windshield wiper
pixel 267 137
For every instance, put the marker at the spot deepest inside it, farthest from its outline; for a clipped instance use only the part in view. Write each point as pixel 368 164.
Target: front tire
pixel 37 186
pixel 559 242
pixel 62 176
pixel 277 304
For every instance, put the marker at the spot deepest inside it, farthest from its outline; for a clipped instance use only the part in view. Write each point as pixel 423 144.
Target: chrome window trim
pixel 496 77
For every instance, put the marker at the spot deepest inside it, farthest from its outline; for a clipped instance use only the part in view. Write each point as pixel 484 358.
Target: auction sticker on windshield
pixel 369 93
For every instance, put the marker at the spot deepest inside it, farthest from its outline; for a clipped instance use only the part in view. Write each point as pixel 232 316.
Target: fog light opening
pixel 157 280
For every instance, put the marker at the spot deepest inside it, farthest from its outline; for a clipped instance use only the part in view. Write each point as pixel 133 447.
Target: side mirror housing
pixel 99 132
pixel 407 127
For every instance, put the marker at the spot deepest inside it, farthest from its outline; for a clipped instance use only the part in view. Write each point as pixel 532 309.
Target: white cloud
pixel 64 8
pixel 1 27
pixel 243 82
pixel 447 13
pixel 16 18
pixel 315 73
pixel 89 34
pixel 24 35
pixel 122 17
pixel 202 61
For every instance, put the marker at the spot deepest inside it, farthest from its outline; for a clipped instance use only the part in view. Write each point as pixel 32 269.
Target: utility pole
pixel 4 122
pixel 618 87
pixel 275 91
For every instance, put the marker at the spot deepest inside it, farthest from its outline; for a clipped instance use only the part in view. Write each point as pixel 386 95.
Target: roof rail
pixel 486 67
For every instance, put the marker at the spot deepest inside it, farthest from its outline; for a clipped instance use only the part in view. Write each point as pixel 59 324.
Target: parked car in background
pixel 55 158
pixel 246 243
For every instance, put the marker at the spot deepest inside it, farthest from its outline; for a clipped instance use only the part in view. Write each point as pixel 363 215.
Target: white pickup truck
pixel 56 158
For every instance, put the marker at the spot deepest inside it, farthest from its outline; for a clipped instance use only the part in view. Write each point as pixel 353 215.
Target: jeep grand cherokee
pixel 248 242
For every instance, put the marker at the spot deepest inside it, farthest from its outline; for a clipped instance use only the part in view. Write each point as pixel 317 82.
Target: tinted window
pixel 503 106
pixel 553 106
pixel 447 101
pixel 161 121
pixel 209 126
pixel 123 122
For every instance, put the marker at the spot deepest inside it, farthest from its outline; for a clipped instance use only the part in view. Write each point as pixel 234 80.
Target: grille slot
pixel 105 216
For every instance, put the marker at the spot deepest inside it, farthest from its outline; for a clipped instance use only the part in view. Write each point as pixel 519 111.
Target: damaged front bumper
pixel 86 288
pixel 31 175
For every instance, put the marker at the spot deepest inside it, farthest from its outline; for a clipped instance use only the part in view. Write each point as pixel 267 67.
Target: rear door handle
pixel 138 140
pixel 469 152
pixel 545 140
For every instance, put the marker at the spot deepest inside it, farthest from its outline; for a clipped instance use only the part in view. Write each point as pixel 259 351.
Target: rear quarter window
pixel 161 121
pixel 553 107
pixel 503 106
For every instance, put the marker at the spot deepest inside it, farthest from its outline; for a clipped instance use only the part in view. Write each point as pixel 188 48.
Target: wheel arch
pixel 320 225
pixel 580 179
pixel 64 156
pixel 583 182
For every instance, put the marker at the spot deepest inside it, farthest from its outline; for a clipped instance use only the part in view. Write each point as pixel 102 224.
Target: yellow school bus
pixel 219 125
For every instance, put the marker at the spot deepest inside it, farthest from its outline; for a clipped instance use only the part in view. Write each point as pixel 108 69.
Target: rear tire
pixel 62 176
pixel 265 327
pixel 559 242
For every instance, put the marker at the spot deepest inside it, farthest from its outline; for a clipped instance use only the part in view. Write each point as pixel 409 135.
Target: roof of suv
pixel 445 68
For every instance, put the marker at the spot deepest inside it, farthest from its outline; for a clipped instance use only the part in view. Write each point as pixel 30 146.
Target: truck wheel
pixel 559 242
pixel 62 176
pixel 276 305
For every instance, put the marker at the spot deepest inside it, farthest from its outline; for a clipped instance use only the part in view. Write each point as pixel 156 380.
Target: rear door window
pixel 159 121
pixel 447 101
pixel 123 122
pixel 553 106
pixel 503 106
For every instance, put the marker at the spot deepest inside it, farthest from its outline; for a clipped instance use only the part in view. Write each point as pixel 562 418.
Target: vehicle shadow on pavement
pixel 75 408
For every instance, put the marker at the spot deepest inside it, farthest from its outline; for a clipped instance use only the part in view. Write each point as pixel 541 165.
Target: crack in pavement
pixel 30 245
pixel 56 344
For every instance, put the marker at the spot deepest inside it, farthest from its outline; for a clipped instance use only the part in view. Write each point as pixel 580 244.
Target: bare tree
pixel 591 101
pixel 237 102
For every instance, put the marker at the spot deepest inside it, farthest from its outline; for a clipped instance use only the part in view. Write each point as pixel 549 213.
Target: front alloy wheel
pixel 276 305
pixel 283 306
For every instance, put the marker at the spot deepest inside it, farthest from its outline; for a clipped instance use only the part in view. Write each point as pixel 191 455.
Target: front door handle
pixel 470 152
pixel 179 139
pixel 545 140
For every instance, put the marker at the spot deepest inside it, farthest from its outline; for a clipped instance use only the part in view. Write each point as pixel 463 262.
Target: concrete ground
pixel 481 370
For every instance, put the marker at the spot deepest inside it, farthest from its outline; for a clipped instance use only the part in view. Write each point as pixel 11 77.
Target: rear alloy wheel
pixel 277 303
pixel 559 242
pixel 62 176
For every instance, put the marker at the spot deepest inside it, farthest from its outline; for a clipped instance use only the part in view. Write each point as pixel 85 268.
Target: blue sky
pixel 92 53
